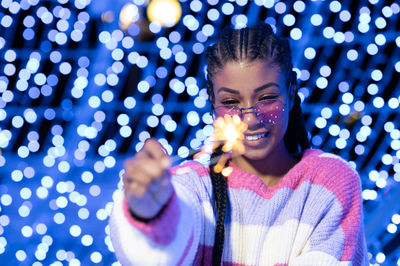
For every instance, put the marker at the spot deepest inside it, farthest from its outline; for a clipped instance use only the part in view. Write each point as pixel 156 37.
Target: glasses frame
pixel 254 107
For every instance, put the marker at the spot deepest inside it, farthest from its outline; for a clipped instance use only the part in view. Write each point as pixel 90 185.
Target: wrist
pixel 148 219
pixel 142 212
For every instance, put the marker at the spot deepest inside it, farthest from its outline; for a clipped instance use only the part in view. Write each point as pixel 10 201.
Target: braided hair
pixel 249 44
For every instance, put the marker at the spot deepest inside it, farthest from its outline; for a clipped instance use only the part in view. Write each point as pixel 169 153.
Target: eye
pixel 268 97
pixel 230 102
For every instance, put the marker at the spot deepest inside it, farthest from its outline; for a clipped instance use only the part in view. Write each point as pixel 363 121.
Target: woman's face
pixel 246 84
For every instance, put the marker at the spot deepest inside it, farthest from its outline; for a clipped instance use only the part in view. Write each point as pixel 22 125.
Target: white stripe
pixel 318 258
pixel 279 243
pixel 209 220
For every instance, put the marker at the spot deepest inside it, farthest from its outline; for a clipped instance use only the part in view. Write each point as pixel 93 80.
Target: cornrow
pixel 241 44
pixel 250 44
pixel 246 40
pixel 296 137
pixel 219 185
pixel 226 45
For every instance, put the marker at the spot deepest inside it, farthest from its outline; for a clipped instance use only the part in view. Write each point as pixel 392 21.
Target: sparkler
pixel 228 133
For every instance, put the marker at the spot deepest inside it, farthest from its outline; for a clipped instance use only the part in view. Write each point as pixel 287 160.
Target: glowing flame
pixel 229 131
pixel 227 171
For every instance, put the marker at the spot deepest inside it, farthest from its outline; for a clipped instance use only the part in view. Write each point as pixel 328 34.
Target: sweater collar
pixel 240 179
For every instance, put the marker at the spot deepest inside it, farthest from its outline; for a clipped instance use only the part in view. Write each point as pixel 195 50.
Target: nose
pixel 250 118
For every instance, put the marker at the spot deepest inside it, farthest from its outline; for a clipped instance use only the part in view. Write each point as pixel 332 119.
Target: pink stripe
pixel 199 256
pixel 161 230
pixel 351 226
pixel 186 250
pixel 204 255
pixel 240 179
pixel 348 195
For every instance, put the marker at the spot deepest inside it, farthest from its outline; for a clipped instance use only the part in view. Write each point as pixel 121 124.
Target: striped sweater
pixel 313 216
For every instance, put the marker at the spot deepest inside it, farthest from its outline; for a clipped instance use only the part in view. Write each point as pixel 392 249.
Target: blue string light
pixel 196 5
pixel 90 109
pixel 227 8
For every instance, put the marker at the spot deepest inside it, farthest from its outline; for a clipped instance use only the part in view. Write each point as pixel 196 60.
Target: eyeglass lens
pixel 267 111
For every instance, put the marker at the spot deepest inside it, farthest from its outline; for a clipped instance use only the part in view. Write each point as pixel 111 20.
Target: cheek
pixel 280 128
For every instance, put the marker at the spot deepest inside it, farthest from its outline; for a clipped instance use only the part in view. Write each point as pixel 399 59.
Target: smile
pixel 256 137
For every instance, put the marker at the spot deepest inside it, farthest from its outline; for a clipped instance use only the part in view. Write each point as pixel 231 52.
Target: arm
pixel 337 237
pixel 171 238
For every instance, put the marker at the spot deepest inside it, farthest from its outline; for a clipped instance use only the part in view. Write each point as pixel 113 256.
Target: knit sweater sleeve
pixel 337 237
pixel 170 239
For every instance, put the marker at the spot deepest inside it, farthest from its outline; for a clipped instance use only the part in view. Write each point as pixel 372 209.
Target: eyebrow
pixel 263 87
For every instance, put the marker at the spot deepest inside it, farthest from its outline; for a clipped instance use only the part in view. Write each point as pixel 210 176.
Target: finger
pixel 153 169
pixel 135 189
pixel 155 150
pixel 160 183
pixel 152 149
pixel 135 168
pixel 137 175
pixel 133 162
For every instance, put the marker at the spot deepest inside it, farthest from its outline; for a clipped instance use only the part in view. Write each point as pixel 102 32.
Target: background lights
pixel 156 12
pixel 129 14
pixel 82 86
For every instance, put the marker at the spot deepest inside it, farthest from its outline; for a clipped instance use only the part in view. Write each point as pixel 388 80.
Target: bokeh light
pixel 83 85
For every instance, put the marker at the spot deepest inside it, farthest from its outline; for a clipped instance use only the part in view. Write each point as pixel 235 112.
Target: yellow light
pixel 218 168
pixel 231 133
pixel 129 14
pixel 165 12
pixel 228 132
pixel 227 171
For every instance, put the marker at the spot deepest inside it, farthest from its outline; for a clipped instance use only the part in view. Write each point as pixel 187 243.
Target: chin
pixel 263 151
pixel 255 155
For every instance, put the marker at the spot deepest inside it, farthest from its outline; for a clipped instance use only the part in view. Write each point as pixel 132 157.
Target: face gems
pixel 270 113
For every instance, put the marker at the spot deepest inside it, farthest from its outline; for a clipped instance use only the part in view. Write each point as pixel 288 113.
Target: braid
pixel 257 43
pixel 220 194
pixel 296 133
pixel 246 40
pixel 226 46
pixel 241 44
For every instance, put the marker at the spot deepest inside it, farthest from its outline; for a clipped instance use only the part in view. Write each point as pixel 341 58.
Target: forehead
pixel 245 77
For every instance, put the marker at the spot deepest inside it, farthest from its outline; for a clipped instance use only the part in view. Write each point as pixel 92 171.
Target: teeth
pixel 255 137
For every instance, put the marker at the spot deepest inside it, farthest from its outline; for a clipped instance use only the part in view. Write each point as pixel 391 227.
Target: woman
pixel 283 203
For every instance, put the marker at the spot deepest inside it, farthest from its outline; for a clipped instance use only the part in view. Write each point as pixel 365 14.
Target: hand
pixel 147 181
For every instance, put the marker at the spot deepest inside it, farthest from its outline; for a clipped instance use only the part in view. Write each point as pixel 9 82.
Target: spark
pixel 228 132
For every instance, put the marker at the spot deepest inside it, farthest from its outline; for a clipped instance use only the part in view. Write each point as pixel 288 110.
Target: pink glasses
pixel 269 111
